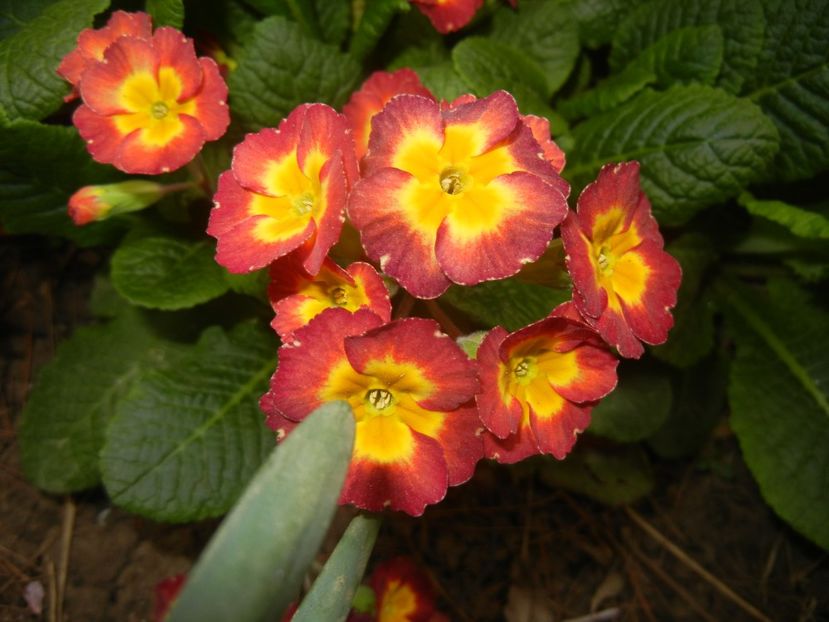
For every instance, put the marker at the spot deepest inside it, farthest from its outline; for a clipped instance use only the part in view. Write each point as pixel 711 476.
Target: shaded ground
pixel 504 546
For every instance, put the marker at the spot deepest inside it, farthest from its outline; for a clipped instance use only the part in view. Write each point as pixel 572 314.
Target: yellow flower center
pixel 159 110
pixel 379 399
pixel 453 180
pixel 339 296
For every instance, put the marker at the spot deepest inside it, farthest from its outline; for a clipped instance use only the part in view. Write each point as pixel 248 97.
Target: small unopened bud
pixel 93 203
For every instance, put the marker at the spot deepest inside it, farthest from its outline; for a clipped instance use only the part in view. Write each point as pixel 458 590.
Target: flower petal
pixel 514 448
pixel 556 430
pixel 148 152
pixel 482 124
pixel 448 15
pixel 104 86
pixel 210 104
pixel 175 51
pixel 497 409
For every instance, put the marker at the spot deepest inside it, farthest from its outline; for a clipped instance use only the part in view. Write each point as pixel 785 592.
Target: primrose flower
pixel 298 297
pixel 403 593
pixel 150 104
pixel 286 191
pixel 448 15
pixel 93 203
pixel 539 385
pixel 624 283
pixel 410 388
pixel 461 194
pixel 373 95
pixel 93 43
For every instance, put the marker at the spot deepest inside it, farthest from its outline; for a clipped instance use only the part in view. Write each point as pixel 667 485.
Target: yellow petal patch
pixel 284 178
pixel 426 422
pixel 417 153
pixel 424 206
pixel 561 368
pixel 401 378
pixel 630 278
pixel 544 401
pixel 383 439
pixel 399 602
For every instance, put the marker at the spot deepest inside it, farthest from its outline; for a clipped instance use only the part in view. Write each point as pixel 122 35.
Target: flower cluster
pixel 148 103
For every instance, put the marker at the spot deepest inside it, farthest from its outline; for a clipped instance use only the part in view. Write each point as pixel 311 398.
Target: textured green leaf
pixel 186 440
pixel 301 12
pixel 374 20
pixel 29 86
pixel 741 21
pixel 331 595
pixel 684 55
pixel 275 529
pixel 801 222
pixel 167 273
pixel 598 19
pixel 62 426
pixel 443 81
pixel 281 68
pixel 334 18
pixel 792 84
pixel 428 54
pixel 507 303
pixel 779 401
pixel 637 407
pixel 697 146
pixel 547 33
pixel 41 166
pixel 166 12
pixel 811 270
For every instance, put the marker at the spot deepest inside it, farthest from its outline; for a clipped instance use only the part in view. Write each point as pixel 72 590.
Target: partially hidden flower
pixel 410 388
pixel 403 592
pixel 539 385
pixel 297 297
pixel 93 203
pixel 448 15
pixel 93 43
pixel 286 191
pixel 373 95
pixel 150 104
pixel 460 193
pixel 166 592
pixel 540 128
pixel 624 283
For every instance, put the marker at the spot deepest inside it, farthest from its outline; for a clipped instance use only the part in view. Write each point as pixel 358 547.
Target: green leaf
pixel 487 65
pixel 799 221
pixel 741 21
pixel 548 35
pixel 167 273
pixel 41 166
pixel 697 146
pixel 282 67
pixel 612 475
pixel 507 303
pixel 779 401
pixel 637 407
pixel 29 86
pixel 254 565
pixel 792 84
pixel 187 439
pixel 334 18
pixel 76 394
pixel 331 595
pixel 166 12
pixel 684 55
pixel 598 19
pixel 373 23
pixel 443 81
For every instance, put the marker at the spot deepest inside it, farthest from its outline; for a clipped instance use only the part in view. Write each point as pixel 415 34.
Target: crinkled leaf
pixel 507 303
pixel 301 12
pixel 609 93
pixel 187 439
pixel 428 54
pixel 547 34
pixel 29 86
pixel 637 407
pixel 166 12
pixel 167 273
pixel 376 17
pixel 282 67
pixel 276 528
pixel 41 166
pixel 598 19
pixel 76 394
pixel 741 21
pixel 697 146
pixel 443 81
pixel 791 84
pixel 801 222
pixel 779 397
pixel 334 18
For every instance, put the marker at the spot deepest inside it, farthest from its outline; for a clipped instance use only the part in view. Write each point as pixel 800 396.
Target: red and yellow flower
pixel 286 191
pixel 410 388
pixel 373 95
pixel 298 297
pixel 93 43
pixel 403 593
pixel 461 194
pixel 448 15
pixel 150 105
pixel 539 385
pixel 624 283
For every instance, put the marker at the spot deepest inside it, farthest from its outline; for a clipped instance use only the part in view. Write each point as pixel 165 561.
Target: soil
pixel 503 547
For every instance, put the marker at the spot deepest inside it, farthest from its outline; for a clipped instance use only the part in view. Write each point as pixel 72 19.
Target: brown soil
pixel 504 546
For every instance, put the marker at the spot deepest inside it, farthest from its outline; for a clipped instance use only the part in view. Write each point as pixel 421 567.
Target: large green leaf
pixel 697 146
pixel 334 17
pixel 254 565
pixel 779 397
pixel 792 84
pixel 281 68
pixel 29 86
pixel 167 273
pixel 741 21
pixel 186 440
pixel 443 81
pixel 547 33
pixel 166 12
pixel 375 18
pixel 801 222
pixel 598 19
pixel 62 426
pixel 40 167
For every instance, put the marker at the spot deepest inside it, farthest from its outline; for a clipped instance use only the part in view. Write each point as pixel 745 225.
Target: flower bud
pixel 92 203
